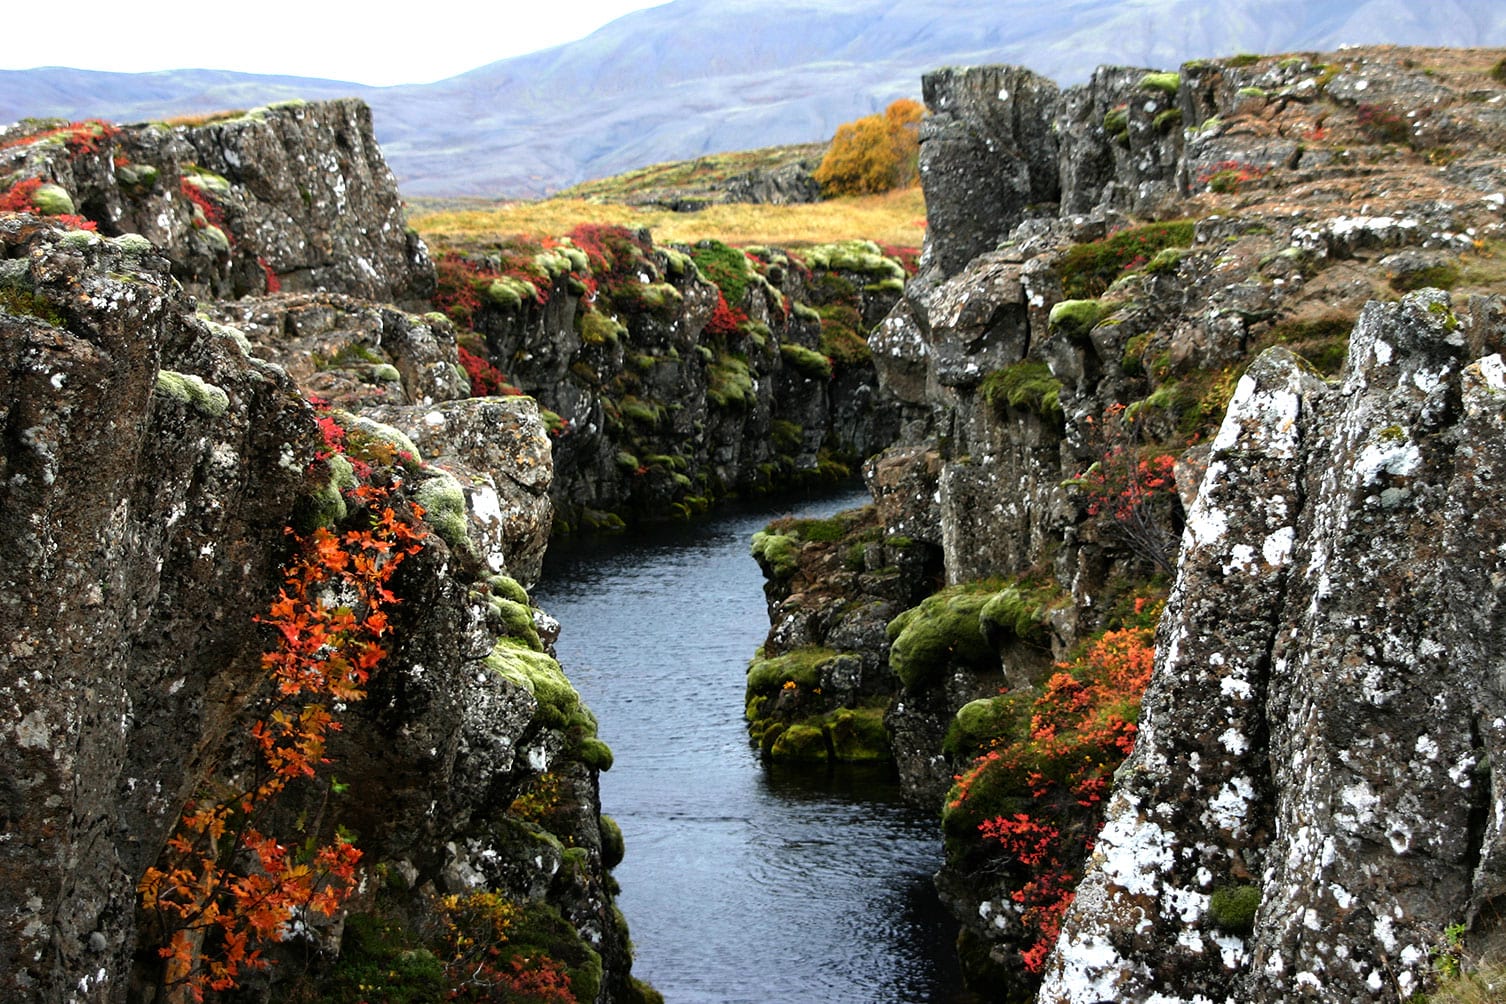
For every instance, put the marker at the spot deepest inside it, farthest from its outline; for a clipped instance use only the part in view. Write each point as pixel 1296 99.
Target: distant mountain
pixel 702 76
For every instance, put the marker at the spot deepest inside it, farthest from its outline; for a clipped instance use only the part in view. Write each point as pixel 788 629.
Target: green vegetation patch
pixel 943 631
pixel 538 674
pixel 864 257
pixel 1027 384
pixel 801 667
pixel 1075 318
pixel 729 382
pixel 982 723
pixel 727 267
pixel 807 362
pixel 1087 270
pixel 1167 83
pixel 778 553
pixel 1232 908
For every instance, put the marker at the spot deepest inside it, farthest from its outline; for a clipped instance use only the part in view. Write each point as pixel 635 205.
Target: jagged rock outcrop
pixel 1063 367
pixel 293 196
pixel 673 376
pixel 1322 725
pixel 141 523
pixel 156 457
pixel 986 155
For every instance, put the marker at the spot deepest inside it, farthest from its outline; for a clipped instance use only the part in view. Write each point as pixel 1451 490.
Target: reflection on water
pixel 741 883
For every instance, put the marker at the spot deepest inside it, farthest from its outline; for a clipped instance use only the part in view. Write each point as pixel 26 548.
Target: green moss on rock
pixel 613 848
pixel 53 200
pixel 777 552
pixel 1027 384
pixel 194 391
pixel 538 674
pixel 858 736
pixel 1075 318
pixel 1167 83
pixel 943 631
pixel 807 362
pixel 443 500
pixel 802 667
pixel 800 743
pixel 1232 908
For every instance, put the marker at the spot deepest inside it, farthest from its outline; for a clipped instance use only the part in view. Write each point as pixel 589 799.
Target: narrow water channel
pixel 741 883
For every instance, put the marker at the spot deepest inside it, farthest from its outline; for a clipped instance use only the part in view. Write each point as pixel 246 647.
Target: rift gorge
pixel 1101 602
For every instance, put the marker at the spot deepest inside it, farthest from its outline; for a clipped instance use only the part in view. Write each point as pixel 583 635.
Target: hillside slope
pixel 698 76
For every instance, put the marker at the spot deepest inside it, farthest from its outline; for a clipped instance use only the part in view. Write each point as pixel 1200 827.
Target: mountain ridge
pixel 702 76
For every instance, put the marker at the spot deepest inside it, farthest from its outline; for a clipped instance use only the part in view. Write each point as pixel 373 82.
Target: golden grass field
pixel 894 218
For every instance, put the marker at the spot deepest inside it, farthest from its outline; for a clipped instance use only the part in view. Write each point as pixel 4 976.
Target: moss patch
pixel 538 674
pixel 1088 269
pixel 802 667
pixel 807 362
pixel 1232 908
pixel 1075 318
pixel 943 631
pixel 194 391
pixel 1027 384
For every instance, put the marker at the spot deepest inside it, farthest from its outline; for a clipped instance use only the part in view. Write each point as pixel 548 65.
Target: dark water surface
pixel 742 883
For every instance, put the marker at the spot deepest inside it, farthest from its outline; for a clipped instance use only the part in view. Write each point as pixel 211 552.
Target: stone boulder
pixel 293 196
pixel 1304 812
pixel 987 154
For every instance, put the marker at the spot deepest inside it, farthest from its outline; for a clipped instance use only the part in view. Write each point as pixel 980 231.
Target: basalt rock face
pixel 986 153
pixel 1063 366
pixel 1323 724
pixel 140 525
pixel 158 450
pixel 663 392
pixel 295 196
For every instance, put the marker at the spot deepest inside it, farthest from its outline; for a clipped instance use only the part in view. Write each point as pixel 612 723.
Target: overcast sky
pixel 430 40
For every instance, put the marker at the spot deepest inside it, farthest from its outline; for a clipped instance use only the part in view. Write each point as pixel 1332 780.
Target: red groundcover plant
pixel 1032 804
pixel 226 886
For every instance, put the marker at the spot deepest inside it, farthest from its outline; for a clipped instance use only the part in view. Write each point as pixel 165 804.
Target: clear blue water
pixel 742 883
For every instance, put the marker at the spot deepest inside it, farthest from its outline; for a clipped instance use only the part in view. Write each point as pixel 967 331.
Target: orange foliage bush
pixel 226 885
pixel 874 154
pixel 1033 803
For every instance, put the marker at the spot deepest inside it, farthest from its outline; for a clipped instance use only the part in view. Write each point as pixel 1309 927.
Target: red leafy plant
pixel 227 886
pixel 20 198
pixel 1228 176
pixel 1030 805
pixel 79 137
pixel 1133 493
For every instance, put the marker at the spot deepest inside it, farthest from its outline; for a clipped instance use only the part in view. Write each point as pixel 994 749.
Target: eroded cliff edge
pixel 1109 268
pixel 155 462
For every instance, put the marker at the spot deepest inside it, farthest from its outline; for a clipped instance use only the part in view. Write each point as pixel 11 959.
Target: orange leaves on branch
pixel 1056 774
pixel 227 885
pixel 874 154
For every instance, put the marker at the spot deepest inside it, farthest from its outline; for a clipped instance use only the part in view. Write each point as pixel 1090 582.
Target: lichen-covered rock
pixel 1063 380
pixel 155 464
pixel 664 390
pixel 500 451
pixel 294 196
pixel 351 352
pixel 141 525
pixel 986 154
pixel 1321 707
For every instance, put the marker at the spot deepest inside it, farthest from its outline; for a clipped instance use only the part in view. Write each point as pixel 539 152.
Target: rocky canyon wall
pixel 1110 268
pixel 166 462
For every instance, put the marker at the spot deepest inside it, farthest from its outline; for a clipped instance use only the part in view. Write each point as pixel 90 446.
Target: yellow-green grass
pixel 894 218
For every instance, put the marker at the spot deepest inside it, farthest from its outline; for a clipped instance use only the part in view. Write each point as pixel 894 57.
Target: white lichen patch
pixel 1229 807
pixel 1277 547
pixel 1394 455
pixel 1206 525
